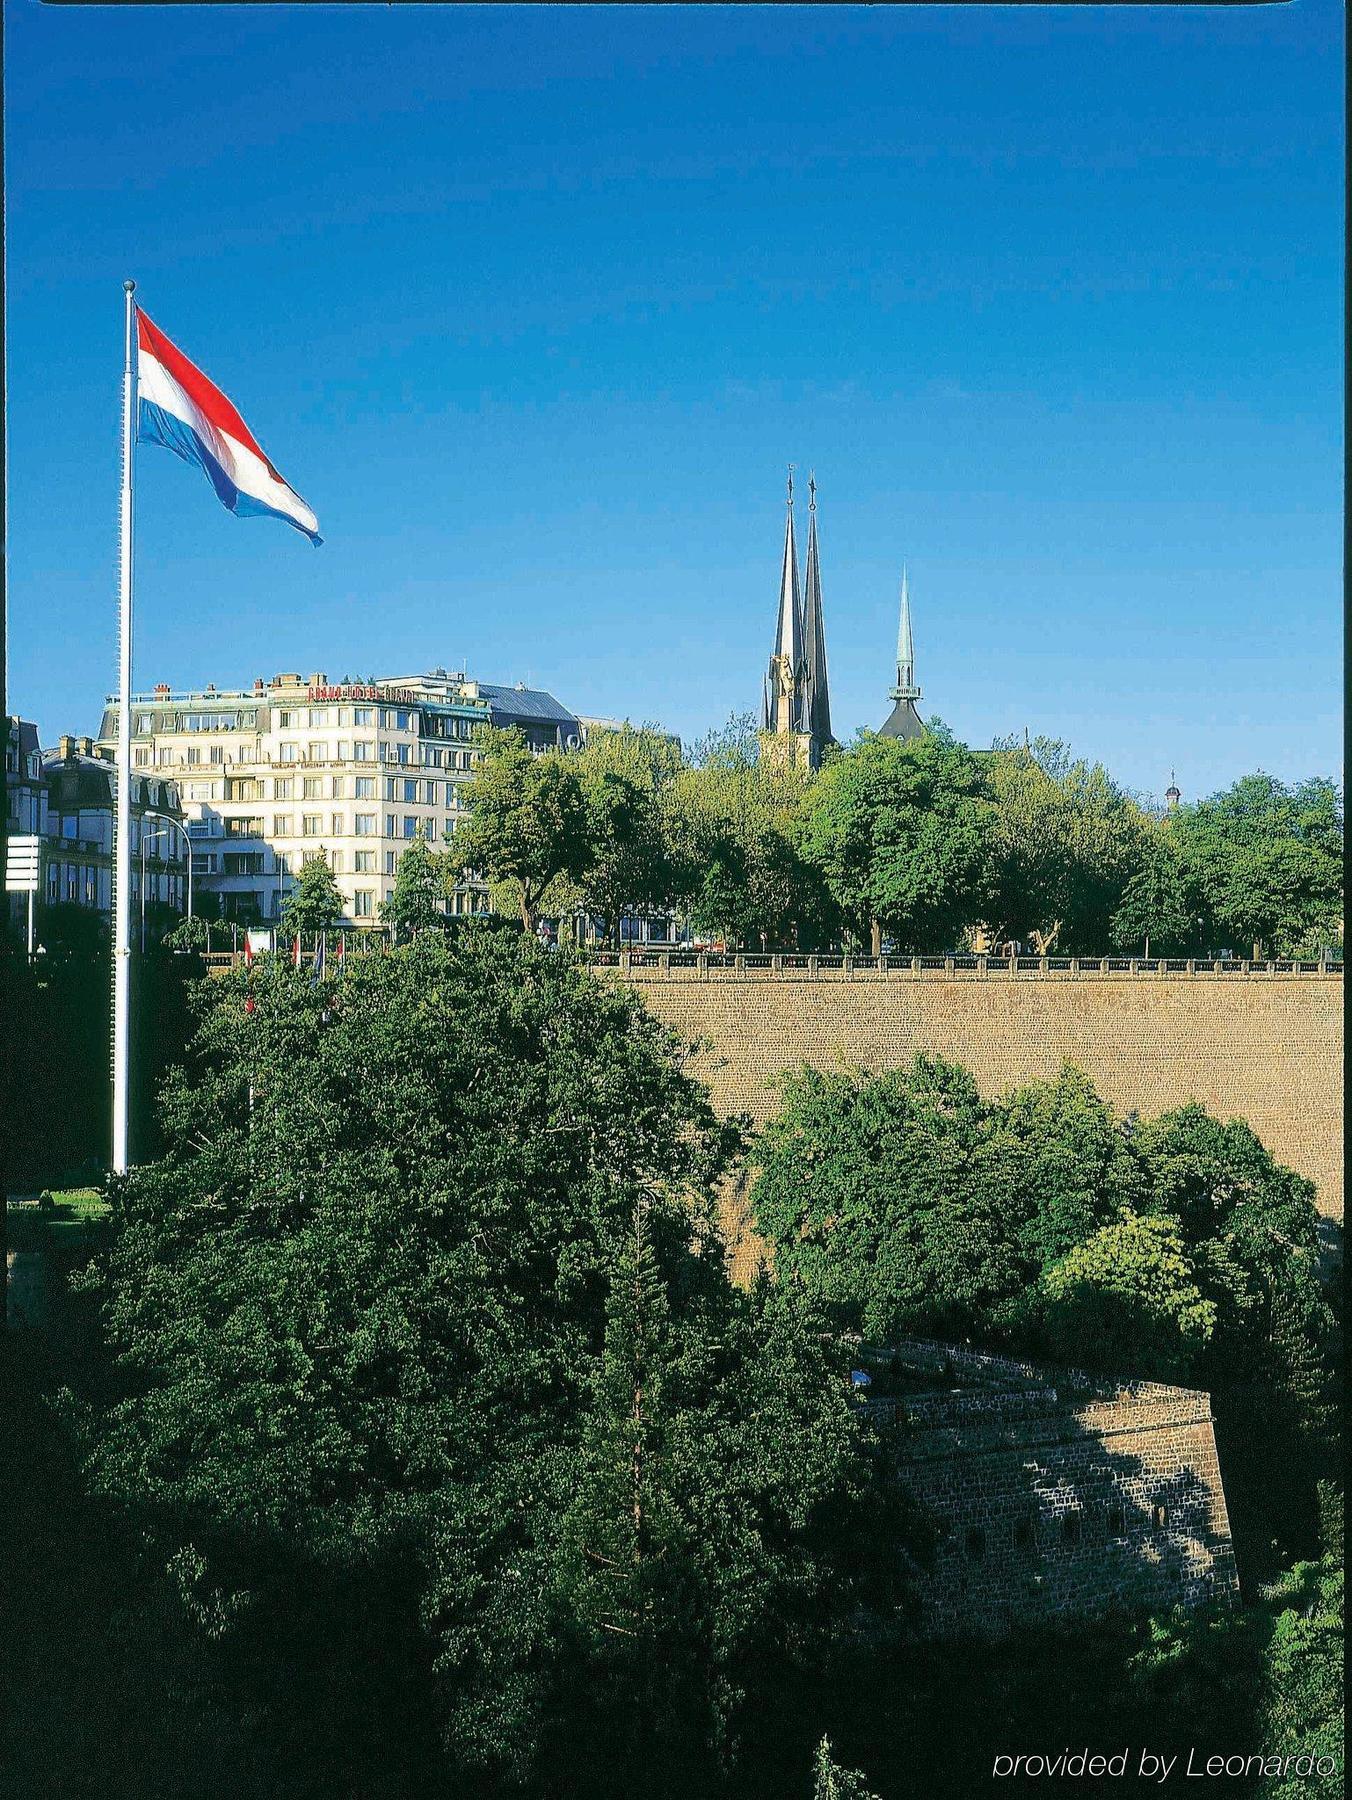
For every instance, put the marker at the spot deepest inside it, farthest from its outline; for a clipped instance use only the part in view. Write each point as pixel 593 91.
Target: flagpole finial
pixel 790 486
pixel 129 287
pixel 812 492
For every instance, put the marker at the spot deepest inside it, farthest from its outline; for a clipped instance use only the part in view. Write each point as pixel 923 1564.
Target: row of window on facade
pixel 315 718
pixel 1026 1530
pixel 195 756
pixel 93 828
pixel 255 862
pixel 250 825
pixel 77 884
pixel 411 789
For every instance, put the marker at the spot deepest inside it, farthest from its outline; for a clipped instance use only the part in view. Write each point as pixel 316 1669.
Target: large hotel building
pixel 352 771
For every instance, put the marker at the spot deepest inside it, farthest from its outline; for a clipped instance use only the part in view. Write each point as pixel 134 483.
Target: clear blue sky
pixel 533 307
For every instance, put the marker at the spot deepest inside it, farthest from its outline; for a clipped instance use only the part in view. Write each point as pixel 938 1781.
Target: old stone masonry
pixel 1054 1495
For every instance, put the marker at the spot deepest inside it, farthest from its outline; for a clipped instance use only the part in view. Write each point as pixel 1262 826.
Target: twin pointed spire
pixel 797 699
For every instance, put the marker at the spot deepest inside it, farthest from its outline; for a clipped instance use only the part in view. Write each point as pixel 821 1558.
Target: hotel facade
pixel 297 767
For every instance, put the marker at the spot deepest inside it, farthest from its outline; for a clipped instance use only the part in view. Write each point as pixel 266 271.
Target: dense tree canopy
pixel 923 841
pixel 1066 841
pixel 1174 1247
pixel 421 884
pixel 901 832
pixel 624 776
pixel 1127 1298
pixel 732 820
pixel 314 903
pixel 426 1288
pixel 1161 908
pixel 1267 860
pixel 527 825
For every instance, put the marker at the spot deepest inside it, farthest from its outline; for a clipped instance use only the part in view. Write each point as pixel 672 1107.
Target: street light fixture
pixel 163 819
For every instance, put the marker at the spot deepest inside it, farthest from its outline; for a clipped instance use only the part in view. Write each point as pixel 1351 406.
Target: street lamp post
pixel 162 819
pixel 178 825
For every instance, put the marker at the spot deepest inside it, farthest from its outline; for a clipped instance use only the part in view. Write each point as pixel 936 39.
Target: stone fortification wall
pixel 1055 1496
pixel 1261 1043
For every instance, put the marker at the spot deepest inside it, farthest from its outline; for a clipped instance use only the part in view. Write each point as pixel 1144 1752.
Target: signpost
pixel 22 871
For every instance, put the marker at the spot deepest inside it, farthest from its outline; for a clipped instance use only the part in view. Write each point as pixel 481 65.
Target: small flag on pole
pixel 317 972
pixel 295 952
pixel 182 409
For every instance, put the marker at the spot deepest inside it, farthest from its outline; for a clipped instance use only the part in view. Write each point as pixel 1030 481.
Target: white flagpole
pixel 122 835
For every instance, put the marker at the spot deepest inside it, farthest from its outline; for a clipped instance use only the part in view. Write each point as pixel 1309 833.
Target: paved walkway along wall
pixel 1258 1043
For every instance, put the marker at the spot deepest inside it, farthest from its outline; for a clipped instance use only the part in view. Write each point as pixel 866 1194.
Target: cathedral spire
pixel 904 721
pixel 784 678
pixel 906 688
pixel 789 636
pixel 816 715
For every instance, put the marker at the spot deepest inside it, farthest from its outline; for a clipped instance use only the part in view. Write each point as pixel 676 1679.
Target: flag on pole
pixel 317 971
pixel 187 413
pixel 248 971
pixel 295 952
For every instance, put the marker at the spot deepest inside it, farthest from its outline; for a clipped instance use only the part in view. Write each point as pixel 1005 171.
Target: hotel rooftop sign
pixel 356 690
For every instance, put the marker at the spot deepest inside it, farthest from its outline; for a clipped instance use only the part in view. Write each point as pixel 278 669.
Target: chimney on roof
pixel 84 746
pixel 161 690
pixel 67 744
pixel 259 684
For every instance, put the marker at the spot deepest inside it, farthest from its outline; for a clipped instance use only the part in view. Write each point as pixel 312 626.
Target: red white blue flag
pixel 187 413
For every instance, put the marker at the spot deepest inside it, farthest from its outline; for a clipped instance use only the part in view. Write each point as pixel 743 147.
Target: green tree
pixel 731 822
pixel 1253 1234
pixel 190 933
pixel 1160 905
pixel 1061 1158
pixel 1128 1299
pixel 314 904
pixel 416 901
pixel 901 834
pixel 1302 1708
pixel 527 826
pixel 831 1782
pixel 1065 843
pixel 623 775
pixel 1267 858
pixel 429 1263
pixel 872 1190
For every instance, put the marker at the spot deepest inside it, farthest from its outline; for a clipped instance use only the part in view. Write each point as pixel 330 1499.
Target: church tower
pixel 904 721
pixel 816 694
pixel 796 705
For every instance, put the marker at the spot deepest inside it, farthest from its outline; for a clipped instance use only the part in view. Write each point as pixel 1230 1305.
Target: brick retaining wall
pixel 1261 1043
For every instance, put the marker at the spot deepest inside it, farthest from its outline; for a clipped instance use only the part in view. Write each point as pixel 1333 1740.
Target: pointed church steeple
pixel 906 646
pixel 816 692
pixel 904 721
pixel 783 708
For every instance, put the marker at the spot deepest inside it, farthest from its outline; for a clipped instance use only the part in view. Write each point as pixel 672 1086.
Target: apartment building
pixel 67 798
pixel 300 766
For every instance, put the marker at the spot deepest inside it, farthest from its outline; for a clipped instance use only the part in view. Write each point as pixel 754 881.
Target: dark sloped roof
pixel 526 703
pixel 23 734
pixel 902 722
